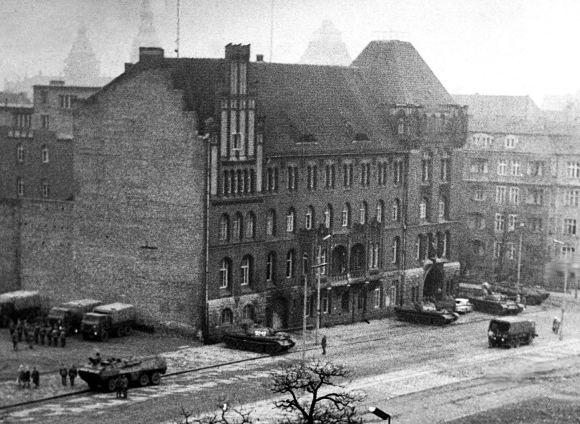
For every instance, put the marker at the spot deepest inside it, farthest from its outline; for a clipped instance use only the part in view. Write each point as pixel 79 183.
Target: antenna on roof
pixel 272 32
pixel 177 40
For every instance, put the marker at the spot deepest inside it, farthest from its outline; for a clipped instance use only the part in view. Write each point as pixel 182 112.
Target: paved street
pixel 392 360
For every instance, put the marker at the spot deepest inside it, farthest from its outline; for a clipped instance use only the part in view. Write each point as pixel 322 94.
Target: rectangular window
pixel 479 166
pixel 568 252
pixel 510 142
pixel 511 251
pixel 224 273
pixel 377 298
pixel 502 167
pixel 66 100
pixel 536 168
pixel 515 195
pixel 394 292
pixel 497 249
pixel 570 226
pixel 325 301
pixel 22 120
pixel 426 170
pixel 398 172
pixel 45 121
pixel 292 178
pixel 499 222
pixel 348 169
pixel 479 195
pixel 500 196
pixel 535 196
pixel 445 169
pixel 365 172
pixel 573 170
pixel 516 168
pixel 572 198
pixel 535 224
pixel 512 222
pixel 237 141
pixel 20 186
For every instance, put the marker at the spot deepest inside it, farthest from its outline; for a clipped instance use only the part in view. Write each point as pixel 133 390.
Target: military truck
pixel 21 304
pixel 105 320
pixel 510 332
pixel 259 339
pixel 140 371
pixel 70 314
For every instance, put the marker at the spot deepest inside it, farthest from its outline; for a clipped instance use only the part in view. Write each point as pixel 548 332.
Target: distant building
pixel 10 98
pixel 522 183
pixel 146 35
pixel 327 48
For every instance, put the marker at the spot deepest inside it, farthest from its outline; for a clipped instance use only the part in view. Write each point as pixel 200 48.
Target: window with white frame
pixel 380 208
pixel 516 167
pixel 512 222
pixel 570 226
pixel 325 302
pixel 426 164
pixel 376 251
pixel 395 250
pixel 290 220
pixel 510 141
pixel 20 186
pixel 236 141
pixel 45 121
pixel 224 228
pixel 271 223
pixel 377 298
pixel 270 266
pixel 479 194
pixel 573 170
pixel 479 166
pixel 20 153
pixel 250 225
pixel 502 167
pixel 500 194
pixel 497 249
pixel 44 150
pixel 292 178
pixel 346 215
pixel 365 174
pixel 499 222
pixel 309 218
pixel 382 169
pixel 44 187
pixel 290 258
pixel 396 210
pixel 568 251
pixel 423 209
pixel 246 270
pixel 535 196
pixel 237 227
pixel 442 207
pixel 445 163
pixel 514 195
pixel 572 197
pixel 511 251
pixel 347 174
pixel 397 172
pixel 362 213
pixel 225 273
pixel 323 261
pixel 312 177
pixel 328 216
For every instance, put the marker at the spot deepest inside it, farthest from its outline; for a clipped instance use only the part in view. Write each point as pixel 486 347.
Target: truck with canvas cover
pixel 510 332
pixel 105 320
pixel 140 371
pixel 69 315
pixel 21 304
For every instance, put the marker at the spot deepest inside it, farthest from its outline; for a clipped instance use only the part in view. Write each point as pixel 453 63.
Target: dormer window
pixel 510 141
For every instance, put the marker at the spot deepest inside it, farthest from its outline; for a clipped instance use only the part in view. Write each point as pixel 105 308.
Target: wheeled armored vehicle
pixel 260 339
pixel 510 332
pixel 140 371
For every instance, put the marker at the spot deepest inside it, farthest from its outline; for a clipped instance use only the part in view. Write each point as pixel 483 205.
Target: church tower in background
pixel 146 36
pixel 327 48
pixel 81 65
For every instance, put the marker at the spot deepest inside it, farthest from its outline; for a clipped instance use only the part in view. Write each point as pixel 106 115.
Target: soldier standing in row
pixel 15 341
pixel 124 386
pixel 19 330
pixel 35 377
pixel 26 379
pixel 62 337
pixel 36 332
pixel 63 374
pixel 41 334
pixel 72 374
pixel 55 336
pixel 118 387
pixel 20 377
pixel 12 328
pixel 25 330
pixel 30 340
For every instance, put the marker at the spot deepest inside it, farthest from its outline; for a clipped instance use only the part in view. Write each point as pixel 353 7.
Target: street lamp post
pixel 304 319
pixel 519 263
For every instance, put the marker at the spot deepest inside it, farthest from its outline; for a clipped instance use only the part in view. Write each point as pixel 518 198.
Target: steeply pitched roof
pixel 485 106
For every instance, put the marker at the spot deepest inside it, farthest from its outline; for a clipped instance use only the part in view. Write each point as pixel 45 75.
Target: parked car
pixel 463 306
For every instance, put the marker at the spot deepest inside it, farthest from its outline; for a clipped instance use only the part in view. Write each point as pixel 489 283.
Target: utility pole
pixel 304 319
pixel 318 267
pixel 519 263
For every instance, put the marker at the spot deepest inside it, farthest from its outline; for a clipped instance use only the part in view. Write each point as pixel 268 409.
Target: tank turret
pixel 259 339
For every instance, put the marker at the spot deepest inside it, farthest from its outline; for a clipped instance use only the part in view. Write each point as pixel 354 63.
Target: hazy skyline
pixel 510 47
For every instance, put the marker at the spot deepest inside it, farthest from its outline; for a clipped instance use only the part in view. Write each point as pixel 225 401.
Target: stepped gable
pixel 401 75
pixel 327 48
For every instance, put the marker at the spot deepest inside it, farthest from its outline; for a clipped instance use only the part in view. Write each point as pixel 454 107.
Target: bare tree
pixel 224 415
pixel 315 394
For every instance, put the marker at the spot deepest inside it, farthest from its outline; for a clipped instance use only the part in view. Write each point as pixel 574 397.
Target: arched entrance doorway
pixel 433 284
pixel 277 313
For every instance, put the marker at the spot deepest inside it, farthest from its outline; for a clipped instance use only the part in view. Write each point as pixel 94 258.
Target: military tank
pixel 532 296
pixel 140 371
pixel 259 339
pixel 426 315
pixel 496 304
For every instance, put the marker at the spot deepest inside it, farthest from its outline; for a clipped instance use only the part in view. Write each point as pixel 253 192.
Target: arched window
pixel 271 266
pixel 346 215
pixel 237 227
pixel 380 209
pixel 20 153
pixel 224 227
pixel 248 312
pixel 247 270
pixel 225 273
pixel 290 221
pixel 401 126
pixel 418 246
pixel 44 187
pixel 271 223
pixel 250 230
pixel 309 218
pixel 44 153
pixel 227 316
pixel 396 210
pixel 363 213
pixel 290 260
pixel 328 216
pixel 395 250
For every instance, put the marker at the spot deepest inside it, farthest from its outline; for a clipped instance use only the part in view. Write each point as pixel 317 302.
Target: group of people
pixel 71 373
pixel 25 376
pixel 21 331
pixel 122 386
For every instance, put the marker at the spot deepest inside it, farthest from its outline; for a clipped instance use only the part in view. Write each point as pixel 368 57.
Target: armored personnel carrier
pixel 260 339
pixel 140 371
pixel 496 304
pixel 425 315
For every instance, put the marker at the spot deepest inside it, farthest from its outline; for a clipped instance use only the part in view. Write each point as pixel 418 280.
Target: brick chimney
pixel 151 55
pixel 259 58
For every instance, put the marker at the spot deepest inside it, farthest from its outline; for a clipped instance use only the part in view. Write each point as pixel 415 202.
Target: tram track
pixel 395 329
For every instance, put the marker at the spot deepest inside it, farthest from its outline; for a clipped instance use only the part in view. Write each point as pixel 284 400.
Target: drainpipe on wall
pixel 205 325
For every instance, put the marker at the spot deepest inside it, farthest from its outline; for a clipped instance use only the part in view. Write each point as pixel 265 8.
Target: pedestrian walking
pixel 36 332
pixel 323 345
pixel 124 386
pixel 63 374
pixel 19 330
pixel 12 327
pixel 30 340
pixel 41 334
pixel 55 336
pixel 119 386
pixel 35 377
pixel 20 377
pixel 72 374
pixel 15 341
pixel 62 337
pixel 27 377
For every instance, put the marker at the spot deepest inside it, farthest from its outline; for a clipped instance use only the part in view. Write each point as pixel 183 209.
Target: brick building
pixel 522 188
pixel 212 190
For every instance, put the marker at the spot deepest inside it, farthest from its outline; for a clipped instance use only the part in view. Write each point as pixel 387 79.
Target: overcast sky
pixel 513 47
